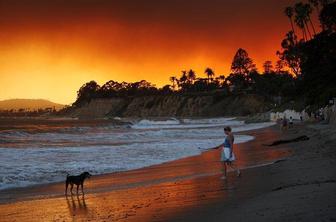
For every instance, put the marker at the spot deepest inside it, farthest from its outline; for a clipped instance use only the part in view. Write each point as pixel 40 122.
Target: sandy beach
pixel 299 186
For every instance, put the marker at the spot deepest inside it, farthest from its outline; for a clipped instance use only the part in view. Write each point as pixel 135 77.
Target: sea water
pixel 29 156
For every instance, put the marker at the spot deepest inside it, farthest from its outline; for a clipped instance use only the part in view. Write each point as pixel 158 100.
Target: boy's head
pixel 227 130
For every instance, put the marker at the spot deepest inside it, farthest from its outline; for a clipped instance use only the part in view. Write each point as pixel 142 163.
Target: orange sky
pixel 48 49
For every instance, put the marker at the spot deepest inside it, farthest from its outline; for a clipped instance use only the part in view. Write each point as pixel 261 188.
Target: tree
pixel 315 3
pixel 221 80
pixel 308 11
pixel 302 15
pixel 273 84
pixel 200 85
pixel 291 54
pixel 166 90
pixel 183 77
pixel 210 74
pixel 289 13
pixel 143 84
pixel 109 89
pixel 279 66
pixel 268 67
pixel 318 69
pixel 328 17
pixel 242 63
pixel 87 92
pixel 173 79
pixel 191 75
pixel 183 80
pixel 237 81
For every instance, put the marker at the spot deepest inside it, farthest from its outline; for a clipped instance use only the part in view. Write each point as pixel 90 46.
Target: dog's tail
pixel 67 175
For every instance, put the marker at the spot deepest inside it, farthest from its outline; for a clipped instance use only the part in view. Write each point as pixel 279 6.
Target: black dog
pixel 78 180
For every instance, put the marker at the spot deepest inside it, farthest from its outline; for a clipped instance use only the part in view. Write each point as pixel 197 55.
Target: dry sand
pixel 300 188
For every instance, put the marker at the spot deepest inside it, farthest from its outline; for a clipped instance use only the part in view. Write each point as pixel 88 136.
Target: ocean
pixel 38 154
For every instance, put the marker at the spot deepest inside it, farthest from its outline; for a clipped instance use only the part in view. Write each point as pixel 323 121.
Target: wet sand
pixel 190 189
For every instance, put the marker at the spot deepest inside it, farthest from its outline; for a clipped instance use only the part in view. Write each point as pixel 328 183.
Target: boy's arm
pixel 219 146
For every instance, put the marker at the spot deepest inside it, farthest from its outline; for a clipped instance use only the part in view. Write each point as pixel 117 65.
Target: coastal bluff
pixel 171 105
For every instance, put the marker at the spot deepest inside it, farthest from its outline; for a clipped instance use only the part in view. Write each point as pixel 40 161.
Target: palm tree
pixel 306 16
pixel 290 55
pixel 210 73
pixel 183 78
pixel 308 11
pixel 191 76
pixel 268 67
pixel 303 12
pixel 289 13
pixel 315 3
pixel 300 16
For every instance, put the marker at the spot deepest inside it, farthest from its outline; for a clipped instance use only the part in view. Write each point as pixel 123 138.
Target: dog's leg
pixel 71 188
pixel 82 188
pixel 77 188
pixel 66 187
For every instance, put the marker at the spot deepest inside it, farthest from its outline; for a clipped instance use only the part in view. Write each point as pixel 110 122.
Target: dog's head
pixel 86 174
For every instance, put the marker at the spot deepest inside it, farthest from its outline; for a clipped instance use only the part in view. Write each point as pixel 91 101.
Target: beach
pixel 300 186
pixel 130 105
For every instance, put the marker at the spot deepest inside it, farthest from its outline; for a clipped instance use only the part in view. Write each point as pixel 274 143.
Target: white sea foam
pixel 146 122
pixel 185 123
pixel 237 125
pixel 209 120
pixel 35 158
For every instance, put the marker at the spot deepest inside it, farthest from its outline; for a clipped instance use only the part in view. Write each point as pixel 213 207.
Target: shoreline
pixel 190 189
pixel 167 175
pixel 195 151
pixel 7 192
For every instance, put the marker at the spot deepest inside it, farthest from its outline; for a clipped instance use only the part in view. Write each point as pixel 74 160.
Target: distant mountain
pixel 31 104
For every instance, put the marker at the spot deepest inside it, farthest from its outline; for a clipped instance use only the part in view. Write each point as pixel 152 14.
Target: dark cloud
pixel 206 20
pixel 177 12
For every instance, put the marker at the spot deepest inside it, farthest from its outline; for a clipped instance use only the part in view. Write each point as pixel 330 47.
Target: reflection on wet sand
pixel 76 204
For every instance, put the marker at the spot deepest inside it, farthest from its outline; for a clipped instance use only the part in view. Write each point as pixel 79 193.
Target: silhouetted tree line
pixel 306 67
pixel 112 89
pixel 243 79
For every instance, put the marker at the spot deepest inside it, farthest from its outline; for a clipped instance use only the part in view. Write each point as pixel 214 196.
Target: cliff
pixel 172 105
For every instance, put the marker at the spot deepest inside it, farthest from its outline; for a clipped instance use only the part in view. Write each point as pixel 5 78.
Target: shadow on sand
pixel 77 205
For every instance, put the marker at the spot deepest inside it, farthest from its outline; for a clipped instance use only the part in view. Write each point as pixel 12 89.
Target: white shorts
pixel 225 155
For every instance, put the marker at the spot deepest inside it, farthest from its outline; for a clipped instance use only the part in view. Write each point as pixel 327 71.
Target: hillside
pixel 31 104
pixel 171 105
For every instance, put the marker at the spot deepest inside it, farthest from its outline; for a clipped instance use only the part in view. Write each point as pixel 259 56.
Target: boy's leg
pixel 225 169
pixel 235 168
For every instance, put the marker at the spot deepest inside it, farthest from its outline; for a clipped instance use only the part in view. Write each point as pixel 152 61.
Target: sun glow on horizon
pixel 51 57
pixel 40 74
